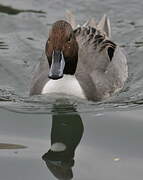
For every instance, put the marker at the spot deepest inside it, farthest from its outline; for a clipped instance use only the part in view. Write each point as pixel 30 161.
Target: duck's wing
pixel 95 48
pixel 71 19
pixel 113 77
pixel 104 25
pixel 39 75
pixel 102 60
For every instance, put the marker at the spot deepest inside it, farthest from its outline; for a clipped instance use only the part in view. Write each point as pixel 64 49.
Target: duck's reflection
pixel 66 133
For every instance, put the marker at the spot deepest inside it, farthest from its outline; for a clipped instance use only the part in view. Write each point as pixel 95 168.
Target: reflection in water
pixel 66 133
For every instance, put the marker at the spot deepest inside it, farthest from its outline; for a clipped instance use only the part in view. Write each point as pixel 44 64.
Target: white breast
pixel 67 85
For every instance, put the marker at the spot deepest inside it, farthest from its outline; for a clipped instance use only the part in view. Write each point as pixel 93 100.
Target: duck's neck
pixel 68 85
pixel 70 65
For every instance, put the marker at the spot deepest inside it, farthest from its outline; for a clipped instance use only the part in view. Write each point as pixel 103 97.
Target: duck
pixel 81 61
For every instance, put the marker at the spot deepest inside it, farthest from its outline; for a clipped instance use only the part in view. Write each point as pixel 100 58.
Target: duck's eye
pixel 69 39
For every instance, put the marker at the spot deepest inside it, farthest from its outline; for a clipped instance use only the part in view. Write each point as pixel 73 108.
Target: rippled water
pixel 110 143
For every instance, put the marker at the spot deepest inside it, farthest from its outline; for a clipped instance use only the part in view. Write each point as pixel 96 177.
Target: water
pixel 104 139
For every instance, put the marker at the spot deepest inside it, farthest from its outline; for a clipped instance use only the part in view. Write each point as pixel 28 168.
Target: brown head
pixel 61 50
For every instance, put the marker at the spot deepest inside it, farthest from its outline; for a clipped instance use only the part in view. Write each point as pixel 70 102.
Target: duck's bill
pixel 57 66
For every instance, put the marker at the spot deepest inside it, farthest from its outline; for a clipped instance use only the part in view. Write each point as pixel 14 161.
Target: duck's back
pixel 102 65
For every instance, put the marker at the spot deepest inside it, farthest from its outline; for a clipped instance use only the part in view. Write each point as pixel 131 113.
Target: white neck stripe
pixel 66 85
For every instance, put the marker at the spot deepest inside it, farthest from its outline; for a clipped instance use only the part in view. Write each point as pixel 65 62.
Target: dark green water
pixel 103 139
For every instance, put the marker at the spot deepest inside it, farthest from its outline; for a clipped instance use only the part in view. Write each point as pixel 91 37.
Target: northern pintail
pixel 80 61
